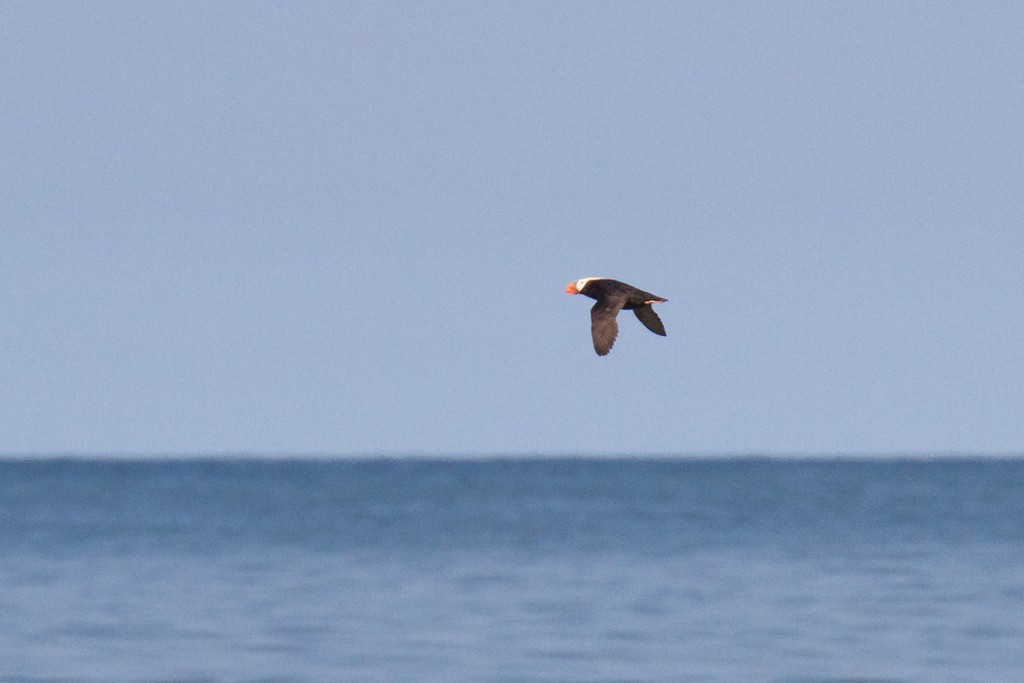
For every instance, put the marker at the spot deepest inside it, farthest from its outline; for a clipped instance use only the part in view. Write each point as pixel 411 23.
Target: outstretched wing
pixel 603 327
pixel 650 319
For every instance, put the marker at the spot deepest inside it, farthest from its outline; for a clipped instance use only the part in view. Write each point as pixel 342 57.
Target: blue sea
pixel 575 569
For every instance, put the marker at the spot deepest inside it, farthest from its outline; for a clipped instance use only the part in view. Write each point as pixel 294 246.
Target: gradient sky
pixel 346 227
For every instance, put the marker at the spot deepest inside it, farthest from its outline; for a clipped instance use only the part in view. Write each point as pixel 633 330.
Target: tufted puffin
pixel 611 296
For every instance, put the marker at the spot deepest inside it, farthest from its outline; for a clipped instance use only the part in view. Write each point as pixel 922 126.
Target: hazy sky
pixel 346 227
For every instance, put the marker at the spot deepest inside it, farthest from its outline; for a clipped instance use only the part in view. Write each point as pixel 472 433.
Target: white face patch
pixel 582 282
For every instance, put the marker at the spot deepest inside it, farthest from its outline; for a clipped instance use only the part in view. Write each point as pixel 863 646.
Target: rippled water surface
pixel 517 570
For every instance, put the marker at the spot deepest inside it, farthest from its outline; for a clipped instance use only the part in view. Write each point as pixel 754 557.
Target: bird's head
pixel 576 286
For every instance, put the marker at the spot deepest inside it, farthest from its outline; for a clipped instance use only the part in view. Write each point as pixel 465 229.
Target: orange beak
pixel 571 288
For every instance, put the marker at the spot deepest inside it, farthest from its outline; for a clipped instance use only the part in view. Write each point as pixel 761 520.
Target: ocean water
pixel 512 570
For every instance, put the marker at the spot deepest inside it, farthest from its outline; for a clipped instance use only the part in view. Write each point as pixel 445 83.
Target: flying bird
pixel 612 296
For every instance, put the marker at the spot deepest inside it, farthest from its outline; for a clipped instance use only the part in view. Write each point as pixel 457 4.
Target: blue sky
pixel 345 228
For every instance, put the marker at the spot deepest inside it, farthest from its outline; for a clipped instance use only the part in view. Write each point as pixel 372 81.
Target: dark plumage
pixel 612 296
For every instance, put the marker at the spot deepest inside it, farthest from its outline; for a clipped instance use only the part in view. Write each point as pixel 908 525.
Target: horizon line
pixel 468 456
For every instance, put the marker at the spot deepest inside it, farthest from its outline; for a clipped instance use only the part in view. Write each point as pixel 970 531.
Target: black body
pixel 612 296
